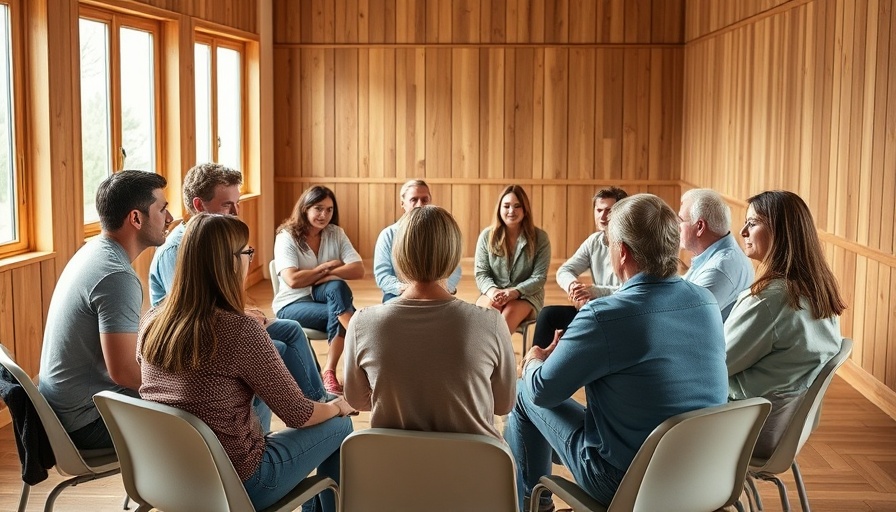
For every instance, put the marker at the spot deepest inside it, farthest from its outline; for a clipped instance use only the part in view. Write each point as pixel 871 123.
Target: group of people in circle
pixel 644 342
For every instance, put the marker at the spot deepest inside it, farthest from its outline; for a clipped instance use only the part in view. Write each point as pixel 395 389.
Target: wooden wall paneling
pixel 667 21
pixel 465 21
pixel 363 21
pixel 346 21
pixel 365 124
pixel 637 21
pixel 873 296
pixel 438 112
pixel 819 197
pixel 863 213
pixel 305 120
pixel 465 113
pixel 556 21
pixel 635 113
pixel 510 114
pixel 27 310
pixel 613 21
pixel 852 171
pixel 809 89
pixel 381 103
pixel 438 21
pixel 554 216
pixel 889 332
pixel 285 196
pixel 579 212
pixel 493 21
pixel 794 34
pixel 381 21
pixel 888 215
pixel 442 195
pixel 609 131
pixel 346 88
pixel 860 290
pixel 47 284
pixel 410 21
pixel 582 121
pixel 329 112
pixel 410 96
pixel 556 114
pixel 492 112
pixel 7 317
pixel 583 22
pixel 878 129
pixel 287 119
pixel 671 194
pixel 466 205
pixel 538 119
pixel 840 118
pixel 488 203
pixel 352 208
pixel 661 123
pixel 522 108
pixel 379 211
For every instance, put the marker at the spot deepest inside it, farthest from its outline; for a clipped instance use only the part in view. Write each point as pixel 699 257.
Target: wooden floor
pixel 849 463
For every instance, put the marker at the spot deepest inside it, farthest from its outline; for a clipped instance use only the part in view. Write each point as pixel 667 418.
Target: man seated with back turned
pixel 215 188
pixel 90 342
pixel 719 264
pixel 413 194
pixel 653 349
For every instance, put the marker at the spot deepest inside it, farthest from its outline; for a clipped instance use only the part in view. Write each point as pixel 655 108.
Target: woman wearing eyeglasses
pixel 198 351
pixel 314 258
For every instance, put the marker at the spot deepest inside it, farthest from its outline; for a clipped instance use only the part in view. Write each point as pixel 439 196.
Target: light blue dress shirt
pixel 723 269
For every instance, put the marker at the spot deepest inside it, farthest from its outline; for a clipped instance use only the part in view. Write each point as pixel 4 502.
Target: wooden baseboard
pixel 871 388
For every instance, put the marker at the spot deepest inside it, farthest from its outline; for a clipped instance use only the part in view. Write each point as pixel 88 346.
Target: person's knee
pixel 280 346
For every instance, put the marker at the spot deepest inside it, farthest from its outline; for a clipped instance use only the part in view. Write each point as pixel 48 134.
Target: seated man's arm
pixel 120 353
pixel 719 283
pixel 383 270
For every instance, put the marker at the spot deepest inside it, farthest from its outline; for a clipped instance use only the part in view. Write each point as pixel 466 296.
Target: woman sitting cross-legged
pixel 314 258
pixel 427 360
pixel 198 351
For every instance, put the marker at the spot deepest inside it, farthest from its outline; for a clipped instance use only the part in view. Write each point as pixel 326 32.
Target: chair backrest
pixel 68 459
pixel 170 459
pixel 388 469
pixel 806 416
pixel 694 461
pixel 275 280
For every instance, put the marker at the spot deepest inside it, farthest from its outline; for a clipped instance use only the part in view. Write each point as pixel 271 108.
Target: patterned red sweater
pixel 221 390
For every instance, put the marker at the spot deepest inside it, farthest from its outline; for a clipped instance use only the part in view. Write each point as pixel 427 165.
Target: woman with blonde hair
pixel 200 352
pixel 512 258
pixel 314 258
pixel 426 360
pixel 782 330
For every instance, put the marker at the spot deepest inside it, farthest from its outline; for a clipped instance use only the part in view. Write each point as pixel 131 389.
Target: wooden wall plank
pixel 7 320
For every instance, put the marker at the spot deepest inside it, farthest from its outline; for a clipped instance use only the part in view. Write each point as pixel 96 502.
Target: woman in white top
pixel 783 329
pixel 314 257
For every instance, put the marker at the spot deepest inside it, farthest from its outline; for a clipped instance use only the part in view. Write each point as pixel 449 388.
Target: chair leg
pixel 71 482
pixel 800 487
pixel 753 495
pixel 782 491
pixel 127 500
pixel 23 500
pixel 739 506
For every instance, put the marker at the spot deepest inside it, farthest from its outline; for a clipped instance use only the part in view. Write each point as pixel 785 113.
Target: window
pixel 220 113
pixel 119 107
pixel 13 235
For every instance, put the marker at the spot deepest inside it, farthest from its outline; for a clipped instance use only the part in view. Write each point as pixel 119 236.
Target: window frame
pixel 215 40
pixel 25 214
pixel 116 21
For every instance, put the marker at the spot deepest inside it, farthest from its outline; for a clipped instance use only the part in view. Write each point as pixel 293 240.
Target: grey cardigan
pixel 525 274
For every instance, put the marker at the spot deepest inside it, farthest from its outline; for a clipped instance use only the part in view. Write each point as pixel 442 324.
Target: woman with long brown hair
pixel 782 330
pixel 512 258
pixel 314 258
pixel 200 352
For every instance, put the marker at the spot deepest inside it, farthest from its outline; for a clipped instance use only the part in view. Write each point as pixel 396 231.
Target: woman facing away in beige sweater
pixel 427 360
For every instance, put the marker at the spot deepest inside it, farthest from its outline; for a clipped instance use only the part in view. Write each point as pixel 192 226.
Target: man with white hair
pixel 653 349
pixel 719 264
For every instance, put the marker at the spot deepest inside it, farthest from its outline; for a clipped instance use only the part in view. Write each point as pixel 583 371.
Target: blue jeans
pixel 290 455
pixel 95 435
pixel 321 310
pixel 532 432
pixel 292 345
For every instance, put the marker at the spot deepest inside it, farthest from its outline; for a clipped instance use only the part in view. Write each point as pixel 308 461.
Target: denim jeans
pixel 322 309
pixel 298 357
pixel 290 455
pixel 95 435
pixel 532 432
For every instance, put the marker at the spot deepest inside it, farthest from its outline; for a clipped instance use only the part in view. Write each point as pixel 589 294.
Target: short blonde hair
pixel 428 245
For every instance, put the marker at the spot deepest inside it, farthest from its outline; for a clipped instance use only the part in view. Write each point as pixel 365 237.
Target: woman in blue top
pixel 512 258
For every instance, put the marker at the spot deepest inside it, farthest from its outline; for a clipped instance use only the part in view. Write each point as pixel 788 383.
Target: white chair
pixel 172 461
pixel 796 433
pixel 311 334
pixel 692 462
pixel 401 470
pixel 82 466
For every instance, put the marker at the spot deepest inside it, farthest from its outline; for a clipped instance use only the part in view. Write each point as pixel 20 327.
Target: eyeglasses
pixel 250 252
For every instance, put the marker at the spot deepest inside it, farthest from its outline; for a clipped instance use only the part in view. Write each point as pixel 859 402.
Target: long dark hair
pixel 297 224
pixel 795 254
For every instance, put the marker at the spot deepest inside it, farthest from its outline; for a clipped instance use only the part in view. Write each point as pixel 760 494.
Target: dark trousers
pixel 550 319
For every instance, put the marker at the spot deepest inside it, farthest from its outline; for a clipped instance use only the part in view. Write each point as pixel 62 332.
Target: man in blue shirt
pixel 719 264
pixel 653 349
pixel 413 194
